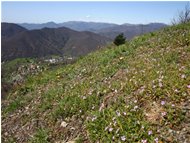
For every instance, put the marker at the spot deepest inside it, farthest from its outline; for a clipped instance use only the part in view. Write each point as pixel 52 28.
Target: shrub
pixel 119 40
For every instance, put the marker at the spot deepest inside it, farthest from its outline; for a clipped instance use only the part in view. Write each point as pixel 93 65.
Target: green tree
pixel 119 40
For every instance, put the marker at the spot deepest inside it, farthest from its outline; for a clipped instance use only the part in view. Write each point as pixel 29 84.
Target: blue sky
pixel 112 12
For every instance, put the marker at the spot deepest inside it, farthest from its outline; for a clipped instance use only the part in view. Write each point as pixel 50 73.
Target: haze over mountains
pixel 74 38
pixel 130 30
pixel 75 25
pixel 109 30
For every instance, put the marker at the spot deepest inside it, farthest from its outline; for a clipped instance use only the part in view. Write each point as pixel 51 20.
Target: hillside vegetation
pixel 136 93
pixel 22 43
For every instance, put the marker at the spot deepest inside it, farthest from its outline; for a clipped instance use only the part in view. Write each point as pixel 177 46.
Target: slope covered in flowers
pixel 138 92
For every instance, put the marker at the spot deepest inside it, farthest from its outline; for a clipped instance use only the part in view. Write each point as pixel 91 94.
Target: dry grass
pixel 153 111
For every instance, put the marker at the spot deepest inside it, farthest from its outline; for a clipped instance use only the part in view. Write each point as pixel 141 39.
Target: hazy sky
pixel 113 12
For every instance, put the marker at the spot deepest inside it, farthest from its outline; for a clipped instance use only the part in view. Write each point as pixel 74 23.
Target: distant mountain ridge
pixel 75 25
pixel 87 26
pixel 109 30
pixel 19 42
pixel 130 30
pixel 50 41
pixel 34 26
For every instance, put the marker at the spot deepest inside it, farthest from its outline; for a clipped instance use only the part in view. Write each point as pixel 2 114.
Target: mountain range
pixel 10 29
pixel 74 38
pixel 47 41
pixel 75 25
pixel 109 30
pixel 130 30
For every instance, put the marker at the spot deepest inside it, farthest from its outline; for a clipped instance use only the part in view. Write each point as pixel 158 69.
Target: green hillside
pixel 135 93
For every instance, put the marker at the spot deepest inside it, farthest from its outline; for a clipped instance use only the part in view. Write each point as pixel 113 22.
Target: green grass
pixel 41 136
pixel 131 81
pixel 115 122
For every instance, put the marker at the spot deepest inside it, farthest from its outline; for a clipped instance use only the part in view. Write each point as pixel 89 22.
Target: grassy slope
pixel 133 92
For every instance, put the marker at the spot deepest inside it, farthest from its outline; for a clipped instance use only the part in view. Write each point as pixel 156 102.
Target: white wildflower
pixel 136 107
pixel 123 138
pixel 156 140
pixel 163 102
pixel 94 118
pixel 150 132
pixel 164 113
pixel 110 129
pixel 144 141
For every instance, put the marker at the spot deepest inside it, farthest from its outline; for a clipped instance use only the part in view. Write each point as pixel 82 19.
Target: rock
pixel 64 124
